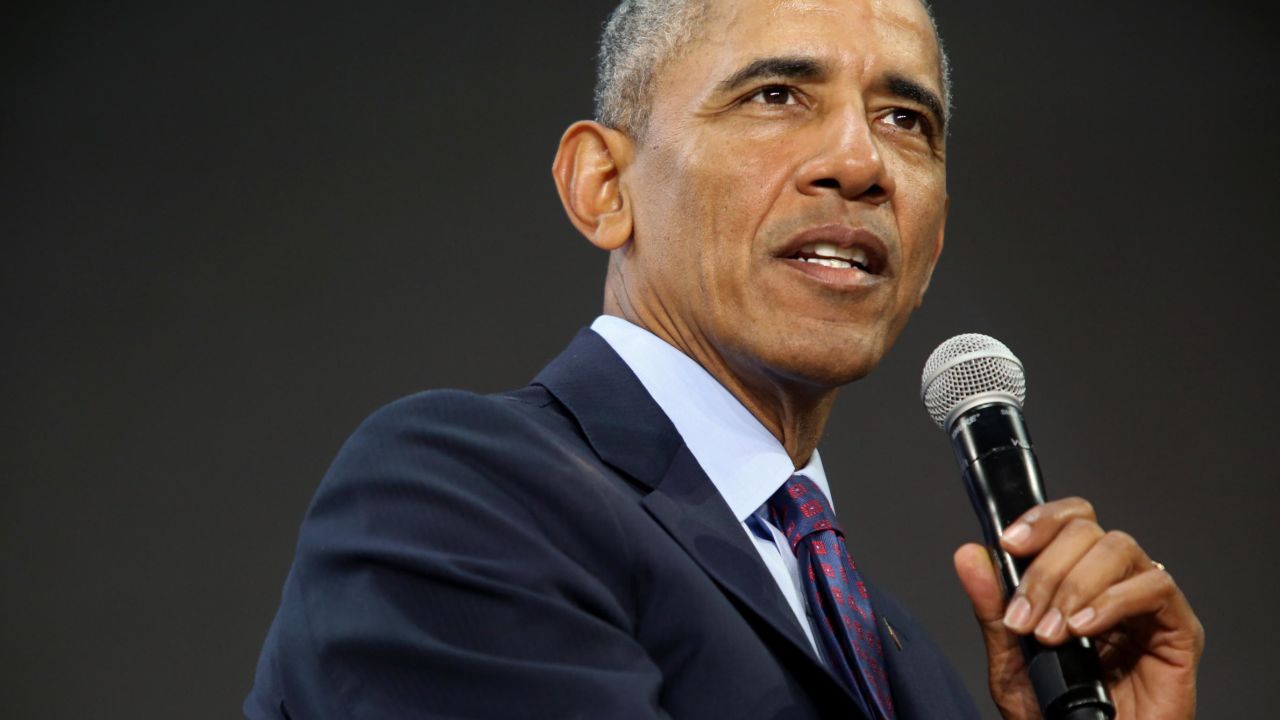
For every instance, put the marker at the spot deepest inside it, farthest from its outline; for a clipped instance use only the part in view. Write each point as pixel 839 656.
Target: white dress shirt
pixel 744 461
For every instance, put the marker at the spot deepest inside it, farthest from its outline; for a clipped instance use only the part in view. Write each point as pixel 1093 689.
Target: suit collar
pixel 743 459
pixel 624 426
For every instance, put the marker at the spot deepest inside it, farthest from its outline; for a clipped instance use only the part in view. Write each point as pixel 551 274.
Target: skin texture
pixel 702 215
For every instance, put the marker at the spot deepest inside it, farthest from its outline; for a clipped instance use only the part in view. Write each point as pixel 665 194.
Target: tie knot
pixel 799 509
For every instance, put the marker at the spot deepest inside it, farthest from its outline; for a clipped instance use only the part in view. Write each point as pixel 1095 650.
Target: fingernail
pixel 1050 625
pixel 1081 618
pixel 1031 516
pixel 1018 614
pixel 1017 533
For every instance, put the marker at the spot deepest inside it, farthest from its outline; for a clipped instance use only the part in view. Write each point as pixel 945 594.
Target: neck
pixel 794 412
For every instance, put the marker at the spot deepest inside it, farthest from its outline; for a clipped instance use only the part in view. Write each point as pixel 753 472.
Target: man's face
pixel 791 130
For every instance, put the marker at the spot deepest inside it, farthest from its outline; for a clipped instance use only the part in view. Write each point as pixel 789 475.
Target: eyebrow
pixel 788 67
pixel 911 90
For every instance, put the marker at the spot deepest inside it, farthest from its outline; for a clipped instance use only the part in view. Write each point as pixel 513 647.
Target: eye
pixel 775 95
pixel 908 120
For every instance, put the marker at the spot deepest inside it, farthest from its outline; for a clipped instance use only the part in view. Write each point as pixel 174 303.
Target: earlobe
pixel 588 175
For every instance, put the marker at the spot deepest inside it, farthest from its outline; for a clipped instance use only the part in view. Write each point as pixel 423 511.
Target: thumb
pixel 1010 687
pixel 978 578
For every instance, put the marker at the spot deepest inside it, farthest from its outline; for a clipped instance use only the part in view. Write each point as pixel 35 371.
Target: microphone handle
pixel 1003 479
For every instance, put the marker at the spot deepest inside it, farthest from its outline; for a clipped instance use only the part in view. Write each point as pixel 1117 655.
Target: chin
pixel 827 362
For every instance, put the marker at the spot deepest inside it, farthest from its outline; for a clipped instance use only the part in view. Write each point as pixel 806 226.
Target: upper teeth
pixel 832 255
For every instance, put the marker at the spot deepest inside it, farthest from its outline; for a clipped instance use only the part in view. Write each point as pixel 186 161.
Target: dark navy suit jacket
pixel 553 552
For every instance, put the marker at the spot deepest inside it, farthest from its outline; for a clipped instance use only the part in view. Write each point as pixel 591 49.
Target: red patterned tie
pixel 835 592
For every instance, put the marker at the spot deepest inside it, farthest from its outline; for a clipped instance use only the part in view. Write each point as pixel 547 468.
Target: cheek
pixel 920 212
pixel 743 186
pixel 676 202
pixel 729 194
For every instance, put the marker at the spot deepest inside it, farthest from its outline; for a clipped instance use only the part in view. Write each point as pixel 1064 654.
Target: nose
pixel 848 161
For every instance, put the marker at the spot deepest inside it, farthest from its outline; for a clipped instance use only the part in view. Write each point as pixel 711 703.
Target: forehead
pixel 870 37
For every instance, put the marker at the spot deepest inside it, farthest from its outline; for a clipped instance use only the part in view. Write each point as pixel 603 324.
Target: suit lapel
pixel 694 513
pixel 631 433
pixel 922 681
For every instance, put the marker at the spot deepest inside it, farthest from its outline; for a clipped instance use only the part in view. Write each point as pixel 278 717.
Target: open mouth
pixel 831 255
pixel 839 253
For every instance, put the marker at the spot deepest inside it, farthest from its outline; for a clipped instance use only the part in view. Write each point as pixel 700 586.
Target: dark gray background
pixel 232 230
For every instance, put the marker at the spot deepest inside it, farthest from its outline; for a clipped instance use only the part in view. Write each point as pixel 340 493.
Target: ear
pixel 937 250
pixel 588 172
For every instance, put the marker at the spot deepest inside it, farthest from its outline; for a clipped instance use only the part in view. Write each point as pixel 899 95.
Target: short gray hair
pixel 642 35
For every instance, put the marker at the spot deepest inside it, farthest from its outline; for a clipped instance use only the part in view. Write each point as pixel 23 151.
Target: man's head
pixel 767 133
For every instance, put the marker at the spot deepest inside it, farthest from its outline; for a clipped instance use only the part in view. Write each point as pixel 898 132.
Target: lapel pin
pixel 892 634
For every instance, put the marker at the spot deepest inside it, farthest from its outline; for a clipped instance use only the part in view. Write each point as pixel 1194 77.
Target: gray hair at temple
pixel 642 35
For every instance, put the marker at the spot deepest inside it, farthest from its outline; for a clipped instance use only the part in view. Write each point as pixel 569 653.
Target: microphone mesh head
pixel 967 366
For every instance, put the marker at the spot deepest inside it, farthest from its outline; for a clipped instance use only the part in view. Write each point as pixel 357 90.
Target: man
pixel 615 540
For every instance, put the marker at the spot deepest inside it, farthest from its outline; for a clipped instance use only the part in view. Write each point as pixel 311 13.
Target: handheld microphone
pixel 973 387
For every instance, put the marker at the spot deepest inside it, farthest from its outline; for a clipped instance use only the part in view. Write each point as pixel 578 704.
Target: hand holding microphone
pixel 1065 579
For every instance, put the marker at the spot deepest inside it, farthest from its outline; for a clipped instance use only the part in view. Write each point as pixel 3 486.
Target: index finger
pixel 1033 530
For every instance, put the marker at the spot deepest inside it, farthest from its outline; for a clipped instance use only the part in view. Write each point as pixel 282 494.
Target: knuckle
pixel 1032 585
pixel 1069 591
pixel 1108 597
pixel 1165 584
pixel 1073 507
pixel 1119 540
pixel 1082 526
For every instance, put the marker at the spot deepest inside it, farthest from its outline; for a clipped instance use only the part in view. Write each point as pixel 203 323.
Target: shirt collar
pixel 744 461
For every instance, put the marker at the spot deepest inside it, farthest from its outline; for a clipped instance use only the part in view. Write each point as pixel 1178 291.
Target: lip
pixel 841 236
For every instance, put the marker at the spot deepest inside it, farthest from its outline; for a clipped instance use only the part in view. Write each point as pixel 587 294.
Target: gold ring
pixel 1158 565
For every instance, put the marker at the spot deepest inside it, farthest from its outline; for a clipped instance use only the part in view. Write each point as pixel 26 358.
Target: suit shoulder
pixel 449 454
pixel 449 417
pixel 449 406
pixel 456 436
